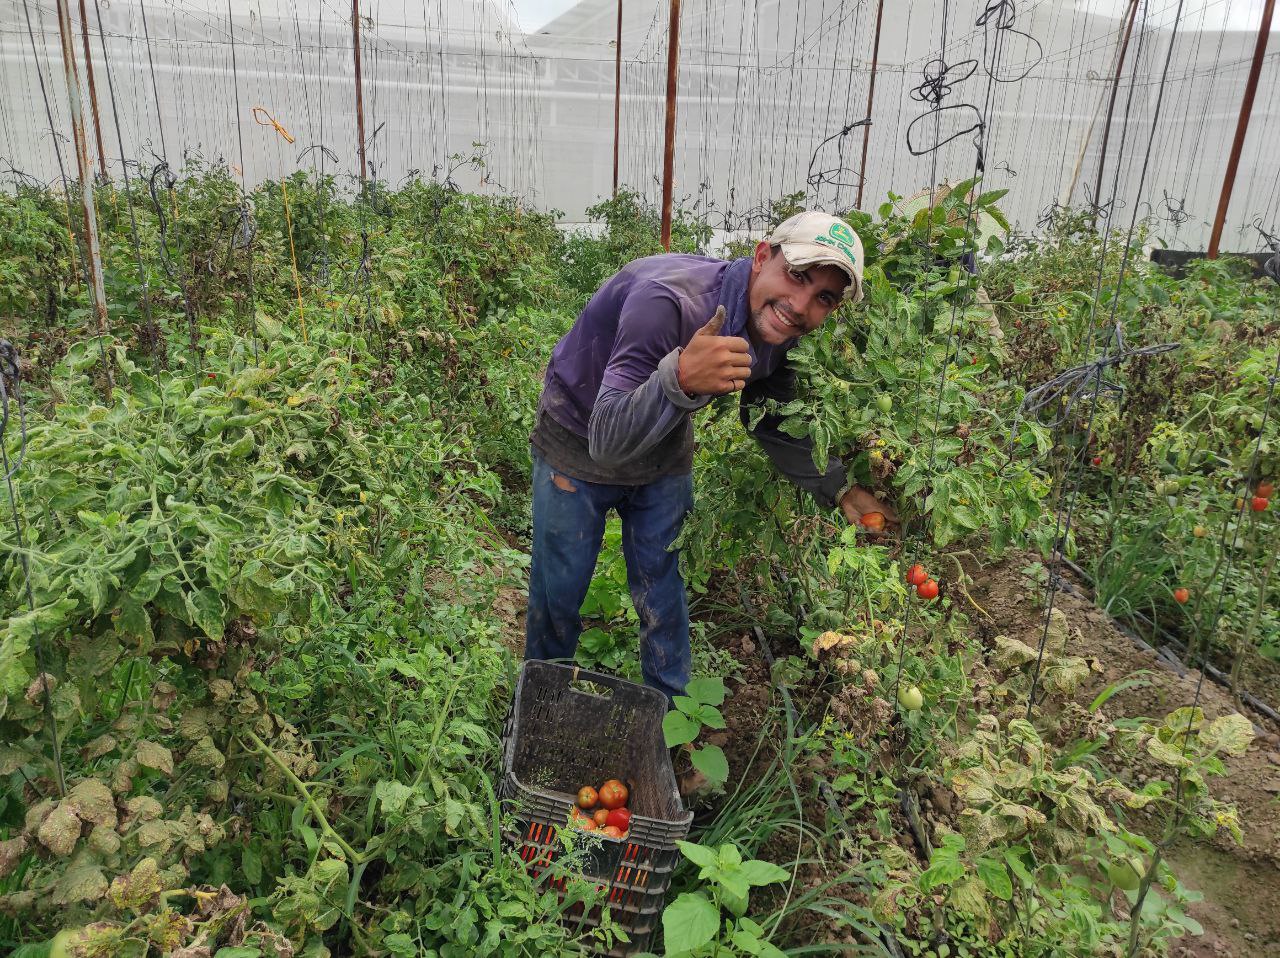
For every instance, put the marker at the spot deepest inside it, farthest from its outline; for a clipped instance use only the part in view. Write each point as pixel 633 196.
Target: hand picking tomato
pixel 587 797
pixel 601 817
pixel 619 818
pixel 873 521
pixel 613 831
pixel 1181 596
pixel 1258 503
pixel 928 589
pixel 613 794
pixel 916 574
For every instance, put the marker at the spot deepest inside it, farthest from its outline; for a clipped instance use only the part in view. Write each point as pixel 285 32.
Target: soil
pixel 1235 879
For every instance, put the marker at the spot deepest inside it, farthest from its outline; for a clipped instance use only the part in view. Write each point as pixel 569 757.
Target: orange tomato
pixel 601 817
pixel 1181 596
pixel 612 831
pixel 873 521
pixel 587 797
pixel 928 589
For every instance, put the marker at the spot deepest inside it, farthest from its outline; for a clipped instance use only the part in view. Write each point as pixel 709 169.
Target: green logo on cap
pixel 841 233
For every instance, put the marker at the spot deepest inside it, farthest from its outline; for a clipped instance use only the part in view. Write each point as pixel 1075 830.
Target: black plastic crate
pixel 568 727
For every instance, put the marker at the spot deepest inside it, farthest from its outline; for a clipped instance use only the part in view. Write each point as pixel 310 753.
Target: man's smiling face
pixel 785 302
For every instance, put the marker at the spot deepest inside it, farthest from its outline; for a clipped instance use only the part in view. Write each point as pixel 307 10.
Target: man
pixel 657 342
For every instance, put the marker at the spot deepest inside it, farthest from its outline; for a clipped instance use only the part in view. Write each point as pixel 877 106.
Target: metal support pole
pixel 355 43
pixel 92 251
pixel 669 151
pixel 93 90
pixel 871 92
pixel 1111 105
pixel 617 99
pixel 1242 128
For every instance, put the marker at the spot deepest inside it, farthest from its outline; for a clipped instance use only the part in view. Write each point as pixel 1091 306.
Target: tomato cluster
pixel 603 810
pixel 1262 495
pixel 926 587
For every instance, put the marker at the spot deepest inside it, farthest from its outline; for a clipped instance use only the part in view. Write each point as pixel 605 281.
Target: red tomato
pixel 928 589
pixel 586 824
pixel 1265 489
pixel 619 818
pixel 1181 596
pixel 874 521
pixel 1097 460
pixel 601 817
pixel 613 794
pixel 1258 503
pixel 916 574
pixel 612 831
pixel 587 797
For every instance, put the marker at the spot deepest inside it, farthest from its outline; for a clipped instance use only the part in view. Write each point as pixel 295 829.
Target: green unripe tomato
pixel 884 403
pixel 1123 875
pixel 909 698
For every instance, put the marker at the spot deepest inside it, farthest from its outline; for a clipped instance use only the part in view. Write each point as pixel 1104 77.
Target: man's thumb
pixel 712 327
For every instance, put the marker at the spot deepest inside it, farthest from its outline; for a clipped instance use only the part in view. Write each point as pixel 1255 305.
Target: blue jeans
pixel 568 528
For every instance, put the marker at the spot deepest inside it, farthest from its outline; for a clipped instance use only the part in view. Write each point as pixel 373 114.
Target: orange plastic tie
pixel 270 121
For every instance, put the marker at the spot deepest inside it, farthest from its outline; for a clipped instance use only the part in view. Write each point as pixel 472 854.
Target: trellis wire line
pixel 11 383
pixel 128 182
pixel 62 171
pixel 1062 528
pixel 246 213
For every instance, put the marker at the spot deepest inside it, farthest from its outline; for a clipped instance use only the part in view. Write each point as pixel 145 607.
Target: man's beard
pixel 761 327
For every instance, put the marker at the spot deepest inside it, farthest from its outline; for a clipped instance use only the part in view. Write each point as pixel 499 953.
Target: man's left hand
pixel 857 502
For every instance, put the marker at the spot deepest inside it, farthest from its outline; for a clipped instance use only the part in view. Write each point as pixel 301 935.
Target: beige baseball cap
pixel 811 238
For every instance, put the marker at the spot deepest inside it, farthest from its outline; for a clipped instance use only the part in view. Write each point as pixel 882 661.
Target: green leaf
pixel 996 879
pixel 710 717
pixel 707 691
pixel 710 761
pixel 689 922
pixel 698 854
pixel 941 873
pixel 209 614
pixel 759 872
pixel 678 729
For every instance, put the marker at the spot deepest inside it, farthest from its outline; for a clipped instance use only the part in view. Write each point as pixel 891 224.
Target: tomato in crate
pixel 569 731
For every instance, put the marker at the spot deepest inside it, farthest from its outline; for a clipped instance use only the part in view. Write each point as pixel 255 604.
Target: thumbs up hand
pixel 712 365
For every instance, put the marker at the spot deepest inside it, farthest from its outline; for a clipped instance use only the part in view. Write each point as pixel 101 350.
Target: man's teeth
pixel 782 319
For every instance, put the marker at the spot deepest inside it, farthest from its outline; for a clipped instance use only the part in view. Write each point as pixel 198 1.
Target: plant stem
pixel 269 754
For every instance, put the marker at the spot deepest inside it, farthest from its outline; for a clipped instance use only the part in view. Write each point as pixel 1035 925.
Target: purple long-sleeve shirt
pixel 612 410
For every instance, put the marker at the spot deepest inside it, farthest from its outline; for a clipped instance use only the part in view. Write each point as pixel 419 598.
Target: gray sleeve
pixel 625 424
pixel 792 456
